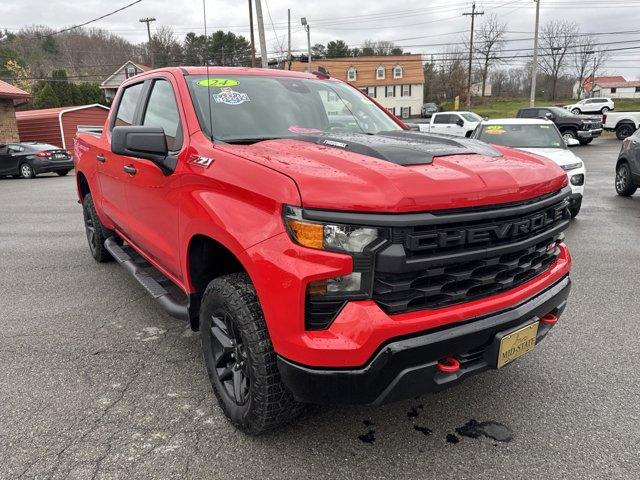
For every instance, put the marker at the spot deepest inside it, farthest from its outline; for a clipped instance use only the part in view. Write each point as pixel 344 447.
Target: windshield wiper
pixel 249 140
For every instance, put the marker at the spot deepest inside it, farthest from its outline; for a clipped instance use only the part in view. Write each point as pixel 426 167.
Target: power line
pixel 90 21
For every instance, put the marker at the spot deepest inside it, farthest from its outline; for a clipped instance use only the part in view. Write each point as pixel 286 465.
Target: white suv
pixel 591 105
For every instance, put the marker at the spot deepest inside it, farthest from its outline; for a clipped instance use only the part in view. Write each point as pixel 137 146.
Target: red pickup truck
pixel 325 253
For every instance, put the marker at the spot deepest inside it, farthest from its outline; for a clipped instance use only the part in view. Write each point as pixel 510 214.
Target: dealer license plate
pixel 516 344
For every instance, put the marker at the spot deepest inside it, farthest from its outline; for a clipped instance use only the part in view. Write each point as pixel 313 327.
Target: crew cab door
pixel 152 195
pixel 109 169
pixel 441 123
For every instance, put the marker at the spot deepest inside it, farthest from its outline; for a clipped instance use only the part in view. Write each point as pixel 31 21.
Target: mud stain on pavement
pixel 423 430
pixel 494 430
pixel 451 438
pixel 368 437
pixel 415 411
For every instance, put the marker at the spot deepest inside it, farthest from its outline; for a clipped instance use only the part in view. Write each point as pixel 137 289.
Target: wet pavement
pixel 96 381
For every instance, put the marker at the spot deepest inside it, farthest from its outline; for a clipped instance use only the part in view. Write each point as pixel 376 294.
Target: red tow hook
pixel 448 365
pixel 549 319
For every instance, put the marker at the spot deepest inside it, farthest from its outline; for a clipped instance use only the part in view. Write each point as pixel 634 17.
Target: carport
pixel 58 126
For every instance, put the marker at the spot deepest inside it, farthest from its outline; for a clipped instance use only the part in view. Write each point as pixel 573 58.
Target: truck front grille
pixel 467 255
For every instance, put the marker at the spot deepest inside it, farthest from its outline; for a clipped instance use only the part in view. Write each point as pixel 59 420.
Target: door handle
pixel 101 158
pixel 130 169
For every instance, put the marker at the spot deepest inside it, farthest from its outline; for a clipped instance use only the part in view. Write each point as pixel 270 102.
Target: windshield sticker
pixel 495 130
pixel 218 82
pixel 228 96
pixel 299 129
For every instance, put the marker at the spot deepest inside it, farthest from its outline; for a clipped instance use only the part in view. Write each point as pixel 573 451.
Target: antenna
pixel 206 60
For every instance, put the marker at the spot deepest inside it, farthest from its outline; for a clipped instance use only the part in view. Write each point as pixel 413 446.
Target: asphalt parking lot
pixel 96 381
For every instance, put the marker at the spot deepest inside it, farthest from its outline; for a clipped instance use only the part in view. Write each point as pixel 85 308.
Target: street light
pixel 306 26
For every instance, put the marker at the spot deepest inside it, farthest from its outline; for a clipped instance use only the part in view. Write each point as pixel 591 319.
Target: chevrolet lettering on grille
pixel 482 234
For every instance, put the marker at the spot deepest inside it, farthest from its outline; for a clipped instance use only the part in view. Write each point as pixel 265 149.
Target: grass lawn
pixel 508 107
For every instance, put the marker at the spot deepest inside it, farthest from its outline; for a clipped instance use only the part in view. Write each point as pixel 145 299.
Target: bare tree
pixel 450 74
pixel 556 38
pixel 489 43
pixel 588 60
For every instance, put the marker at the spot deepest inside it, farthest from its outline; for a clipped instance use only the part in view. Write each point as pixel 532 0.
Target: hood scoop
pixel 402 147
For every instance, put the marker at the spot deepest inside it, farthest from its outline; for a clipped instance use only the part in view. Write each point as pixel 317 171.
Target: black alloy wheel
pixel 230 358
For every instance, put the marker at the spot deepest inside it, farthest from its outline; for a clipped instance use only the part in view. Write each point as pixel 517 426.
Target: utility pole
pixel 253 43
pixel 148 20
pixel 473 15
pixel 263 41
pixel 306 26
pixel 593 74
pixel 289 38
pixel 534 67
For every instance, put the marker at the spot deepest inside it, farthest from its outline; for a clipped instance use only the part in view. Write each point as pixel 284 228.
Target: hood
pixel 330 176
pixel 559 155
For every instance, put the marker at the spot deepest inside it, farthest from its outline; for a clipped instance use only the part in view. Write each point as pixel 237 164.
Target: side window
pixel 442 118
pixel 528 113
pixel 127 105
pixel 162 111
pixel 14 149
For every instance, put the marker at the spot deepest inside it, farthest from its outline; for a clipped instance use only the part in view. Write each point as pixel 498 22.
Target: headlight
pixel 571 166
pixel 324 236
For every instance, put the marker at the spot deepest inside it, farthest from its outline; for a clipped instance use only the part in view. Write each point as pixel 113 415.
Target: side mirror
pixel 549 116
pixel 572 142
pixel 460 122
pixel 149 143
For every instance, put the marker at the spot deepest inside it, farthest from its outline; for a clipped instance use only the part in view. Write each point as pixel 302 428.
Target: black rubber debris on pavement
pixel 494 430
pixel 423 430
pixel 451 438
pixel 368 437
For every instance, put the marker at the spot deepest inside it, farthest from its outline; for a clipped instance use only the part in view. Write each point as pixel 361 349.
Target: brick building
pixel 395 81
pixel 9 97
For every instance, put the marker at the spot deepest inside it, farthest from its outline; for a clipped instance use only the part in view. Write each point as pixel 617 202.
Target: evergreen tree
pixel 45 97
pixel 337 49
pixel 61 87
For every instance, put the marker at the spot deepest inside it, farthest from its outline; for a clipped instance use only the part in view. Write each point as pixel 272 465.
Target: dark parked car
pixel 428 109
pixel 28 159
pixel 628 166
pixel 579 127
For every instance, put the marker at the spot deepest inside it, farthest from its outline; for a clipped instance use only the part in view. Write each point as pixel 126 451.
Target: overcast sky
pixel 420 26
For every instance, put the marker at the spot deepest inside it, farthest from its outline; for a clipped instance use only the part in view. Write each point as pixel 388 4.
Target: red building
pixel 58 126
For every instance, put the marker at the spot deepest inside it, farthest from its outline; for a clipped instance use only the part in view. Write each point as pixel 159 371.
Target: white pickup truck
pixel 623 123
pixel 461 124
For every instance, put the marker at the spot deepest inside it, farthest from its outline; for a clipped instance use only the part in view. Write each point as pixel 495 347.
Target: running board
pixel 151 285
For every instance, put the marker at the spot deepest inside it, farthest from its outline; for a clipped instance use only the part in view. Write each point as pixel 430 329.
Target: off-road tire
pixel 265 403
pixel 624 182
pixel 574 208
pixel 95 231
pixel 27 171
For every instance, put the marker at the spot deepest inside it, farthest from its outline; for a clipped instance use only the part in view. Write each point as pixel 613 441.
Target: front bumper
pixel 407 367
pixel 595 133
pixel 45 165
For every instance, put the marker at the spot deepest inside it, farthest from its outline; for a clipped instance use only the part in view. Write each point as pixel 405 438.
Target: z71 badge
pixel 201 161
